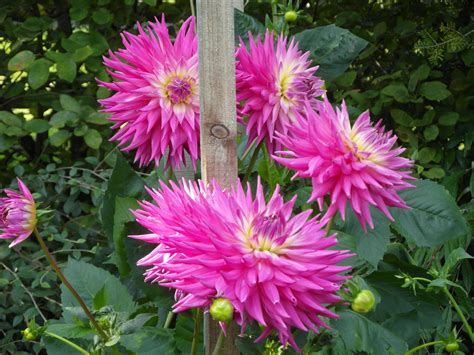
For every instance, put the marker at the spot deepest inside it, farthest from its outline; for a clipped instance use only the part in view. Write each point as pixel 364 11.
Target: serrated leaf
pixel 398 91
pixel 69 103
pixel 244 23
pixel 332 48
pixel 62 118
pixel 150 341
pixel 434 217
pixel 401 117
pixel 358 333
pixel 453 259
pixel 21 61
pixel 70 330
pixel 88 280
pixel 38 73
pixel 434 90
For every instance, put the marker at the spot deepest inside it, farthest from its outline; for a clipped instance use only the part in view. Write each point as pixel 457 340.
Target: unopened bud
pixel 291 16
pixel 28 334
pixel 222 310
pixel 452 347
pixel 364 302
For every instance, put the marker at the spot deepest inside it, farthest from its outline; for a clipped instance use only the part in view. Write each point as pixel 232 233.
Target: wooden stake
pixel 215 23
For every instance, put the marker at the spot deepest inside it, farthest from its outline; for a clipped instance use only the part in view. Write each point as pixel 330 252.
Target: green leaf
pixel 89 280
pixel 434 173
pixel 59 138
pixel 430 133
pixel 78 13
pixel 434 90
pixel 243 24
pixel 332 48
pixel 100 298
pixel 124 182
pixel 36 126
pixel 102 16
pixel 449 119
pixel 184 335
pixel 38 73
pixel 136 323
pixel 99 118
pixel 426 154
pixel 434 217
pixel 418 75
pixel 69 103
pixel 398 91
pixel 81 54
pixel 67 69
pixel 70 330
pixel 361 334
pixel 122 215
pixel 63 118
pixel 93 138
pixel 21 61
pixel 369 246
pixel 401 117
pixel 453 259
pixel 9 119
pixel 150 341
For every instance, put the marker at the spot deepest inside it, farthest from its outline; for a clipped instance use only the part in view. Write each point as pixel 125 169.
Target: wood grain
pixel 215 23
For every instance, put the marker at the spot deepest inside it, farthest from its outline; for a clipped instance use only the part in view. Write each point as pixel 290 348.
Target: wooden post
pixel 215 23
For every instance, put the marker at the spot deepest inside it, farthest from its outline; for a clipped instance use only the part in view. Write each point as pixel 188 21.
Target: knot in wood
pixel 219 131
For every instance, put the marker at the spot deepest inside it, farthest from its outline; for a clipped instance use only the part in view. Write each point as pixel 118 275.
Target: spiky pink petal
pixel 275 268
pixel 273 83
pixel 359 164
pixel 17 214
pixel 155 108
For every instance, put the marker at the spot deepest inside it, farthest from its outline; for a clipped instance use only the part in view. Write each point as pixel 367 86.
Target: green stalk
pixel 467 327
pixel 220 342
pixel 66 283
pixel 329 225
pixel 252 163
pixel 168 320
pixel 68 342
pixel 422 346
pixel 197 330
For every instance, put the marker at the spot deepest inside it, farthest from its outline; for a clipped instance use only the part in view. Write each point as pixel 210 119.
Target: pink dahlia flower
pixel 17 214
pixel 275 268
pixel 357 163
pixel 273 84
pixel 155 107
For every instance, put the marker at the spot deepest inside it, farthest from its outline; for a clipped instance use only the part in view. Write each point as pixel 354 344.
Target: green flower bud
pixel 451 347
pixel 364 302
pixel 222 310
pixel 28 334
pixel 291 16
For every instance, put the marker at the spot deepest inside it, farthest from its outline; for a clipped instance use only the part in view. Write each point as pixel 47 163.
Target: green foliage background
pixel 411 64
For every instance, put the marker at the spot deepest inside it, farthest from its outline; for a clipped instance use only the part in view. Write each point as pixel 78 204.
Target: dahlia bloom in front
pixel 275 268
pixel 155 107
pixel 357 163
pixel 273 84
pixel 17 214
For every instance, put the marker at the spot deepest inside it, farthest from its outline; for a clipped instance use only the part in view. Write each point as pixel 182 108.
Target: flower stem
pixel 220 342
pixel 252 162
pixel 197 330
pixel 68 342
pixel 329 225
pixel 422 346
pixel 168 320
pixel 66 283
pixel 467 327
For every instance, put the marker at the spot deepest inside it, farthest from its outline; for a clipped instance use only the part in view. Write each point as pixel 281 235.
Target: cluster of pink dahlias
pixel 275 268
pixel 155 105
pixel 17 214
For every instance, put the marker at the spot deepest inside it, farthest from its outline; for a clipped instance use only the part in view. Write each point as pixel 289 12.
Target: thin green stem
pixel 329 225
pixel 191 4
pixel 220 342
pixel 168 320
pixel 421 279
pixel 467 327
pixel 68 342
pixel 66 283
pixel 197 331
pixel 422 346
pixel 252 162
